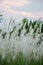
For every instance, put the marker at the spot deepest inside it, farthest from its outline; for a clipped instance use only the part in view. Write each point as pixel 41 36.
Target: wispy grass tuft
pixel 14 47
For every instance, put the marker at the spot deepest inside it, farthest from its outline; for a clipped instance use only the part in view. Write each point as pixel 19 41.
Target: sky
pixel 21 8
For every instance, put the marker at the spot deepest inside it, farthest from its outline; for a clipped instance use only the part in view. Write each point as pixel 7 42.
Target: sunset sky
pixel 22 8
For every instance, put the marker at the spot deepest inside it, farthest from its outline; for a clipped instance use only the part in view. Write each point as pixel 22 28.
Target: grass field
pixel 22 44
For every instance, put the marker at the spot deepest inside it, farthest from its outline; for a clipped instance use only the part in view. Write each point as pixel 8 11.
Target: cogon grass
pixel 19 45
pixel 20 60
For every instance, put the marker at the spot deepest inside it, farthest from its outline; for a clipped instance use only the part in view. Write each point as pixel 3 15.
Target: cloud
pixel 6 8
pixel 13 12
pixel 24 14
pixel 19 3
pixel 16 3
pixel 8 11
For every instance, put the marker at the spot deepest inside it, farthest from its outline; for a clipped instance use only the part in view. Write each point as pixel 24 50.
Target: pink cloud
pixel 13 12
pixel 6 7
pixel 16 3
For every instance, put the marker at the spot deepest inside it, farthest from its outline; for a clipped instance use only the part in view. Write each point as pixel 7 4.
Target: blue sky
pixel 22 8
